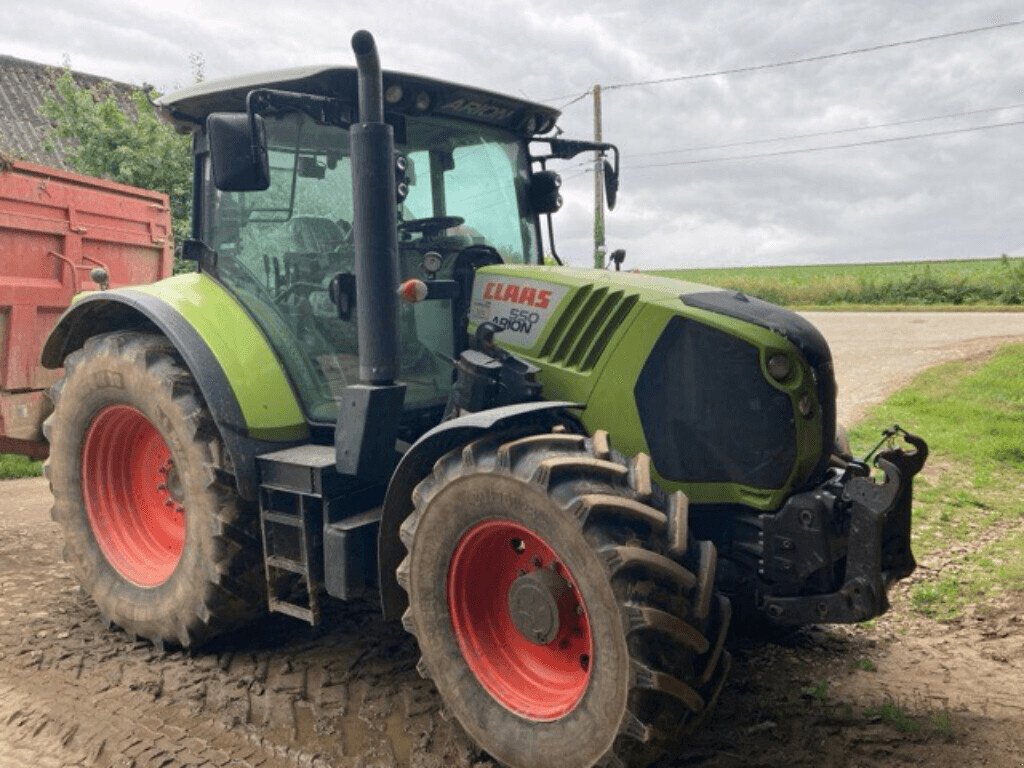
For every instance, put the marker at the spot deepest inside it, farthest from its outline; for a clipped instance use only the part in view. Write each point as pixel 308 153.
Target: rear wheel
pixel 562 610
pixel 152 523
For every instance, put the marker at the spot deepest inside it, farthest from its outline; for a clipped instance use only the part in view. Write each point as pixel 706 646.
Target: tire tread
pixel 227 594
pixel 650 557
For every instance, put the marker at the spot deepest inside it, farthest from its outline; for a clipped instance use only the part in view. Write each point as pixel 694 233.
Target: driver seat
pixel 316 234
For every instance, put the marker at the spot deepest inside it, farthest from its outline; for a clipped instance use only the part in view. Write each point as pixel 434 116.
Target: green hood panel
pixel 592 331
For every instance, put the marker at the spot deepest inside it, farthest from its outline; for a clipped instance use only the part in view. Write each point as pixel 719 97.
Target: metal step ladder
pixel 294 493
pixel 319 530
pixel 290 554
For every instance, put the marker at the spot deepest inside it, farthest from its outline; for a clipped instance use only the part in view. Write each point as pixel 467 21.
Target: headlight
pixel 779 367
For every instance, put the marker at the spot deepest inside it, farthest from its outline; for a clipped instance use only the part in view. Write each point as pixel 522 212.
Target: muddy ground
pixel 901 691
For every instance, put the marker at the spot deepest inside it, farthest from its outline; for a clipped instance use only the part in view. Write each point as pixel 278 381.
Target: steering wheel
pixel 432 226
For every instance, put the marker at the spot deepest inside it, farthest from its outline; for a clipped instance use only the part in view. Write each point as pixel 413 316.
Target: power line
pixel 820 57
pixel 785 152
pixel 818 134
pixel 775 65
pixel 577 175
pixel 581 97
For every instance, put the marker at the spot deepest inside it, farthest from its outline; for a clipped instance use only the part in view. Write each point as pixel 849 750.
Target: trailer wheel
pixel 562 610
pixel 152 522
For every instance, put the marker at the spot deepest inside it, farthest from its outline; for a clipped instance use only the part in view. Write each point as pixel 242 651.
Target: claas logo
pixel 517 294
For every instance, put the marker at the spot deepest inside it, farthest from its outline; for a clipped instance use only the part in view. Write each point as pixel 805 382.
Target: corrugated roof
pixel 24 85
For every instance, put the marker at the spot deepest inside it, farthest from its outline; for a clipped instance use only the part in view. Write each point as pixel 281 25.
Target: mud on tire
pixel 645 587
pixel 142 488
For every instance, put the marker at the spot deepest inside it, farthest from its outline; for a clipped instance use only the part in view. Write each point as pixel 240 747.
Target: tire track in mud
pixel 267 699
pixel 277 694
pixel 74 693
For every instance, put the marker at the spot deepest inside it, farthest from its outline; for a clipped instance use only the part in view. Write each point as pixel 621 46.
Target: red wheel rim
pixel 133 496
pixel 538 682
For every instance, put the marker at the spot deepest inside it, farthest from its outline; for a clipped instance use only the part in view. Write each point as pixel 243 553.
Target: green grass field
pixel 967 506
pixel 13 466
pixel 988 283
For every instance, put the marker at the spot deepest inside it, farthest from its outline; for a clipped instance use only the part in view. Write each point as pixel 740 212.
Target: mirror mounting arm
pixel 566 149
pixel 551 242
pixel 323 109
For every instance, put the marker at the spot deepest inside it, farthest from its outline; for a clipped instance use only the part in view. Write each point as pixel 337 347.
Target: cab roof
pixel 405 94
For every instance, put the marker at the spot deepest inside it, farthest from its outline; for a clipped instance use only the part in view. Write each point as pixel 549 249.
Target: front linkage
pixel 830 553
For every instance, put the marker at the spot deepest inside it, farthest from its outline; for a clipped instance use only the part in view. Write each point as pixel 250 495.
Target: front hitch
pixel 877 551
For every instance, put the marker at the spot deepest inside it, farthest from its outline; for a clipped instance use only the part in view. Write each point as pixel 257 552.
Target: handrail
pixel 74 274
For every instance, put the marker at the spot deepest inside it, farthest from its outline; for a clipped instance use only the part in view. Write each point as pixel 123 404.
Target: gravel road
pixel 876 353
pixel 74 692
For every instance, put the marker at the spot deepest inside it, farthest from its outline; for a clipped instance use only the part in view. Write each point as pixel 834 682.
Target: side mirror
pixel 611 185
pixel 544 195
pixel 238 152
pixel 564 149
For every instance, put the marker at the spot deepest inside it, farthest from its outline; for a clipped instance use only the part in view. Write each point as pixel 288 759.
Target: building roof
pixel 24 85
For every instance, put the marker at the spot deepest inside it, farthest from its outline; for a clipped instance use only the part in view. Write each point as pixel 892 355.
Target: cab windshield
pixel 278 249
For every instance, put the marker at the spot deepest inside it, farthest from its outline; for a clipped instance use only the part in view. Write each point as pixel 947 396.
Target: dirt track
pixel 876 353
pixel 73 692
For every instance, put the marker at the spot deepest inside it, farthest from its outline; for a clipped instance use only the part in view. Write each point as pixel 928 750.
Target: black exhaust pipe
pixel 373 225
pixel 371 97
pixel 370 412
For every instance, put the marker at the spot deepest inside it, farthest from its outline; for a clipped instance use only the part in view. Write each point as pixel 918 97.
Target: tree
pixel 126 143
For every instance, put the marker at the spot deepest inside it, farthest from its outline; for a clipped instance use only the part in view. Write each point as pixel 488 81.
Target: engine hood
pixel 651 355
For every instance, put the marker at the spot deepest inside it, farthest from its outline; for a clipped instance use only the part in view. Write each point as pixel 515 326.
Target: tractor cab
pixel 287 251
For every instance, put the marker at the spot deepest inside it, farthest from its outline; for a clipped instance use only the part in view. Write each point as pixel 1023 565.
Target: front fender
pixel 241 380
pixel 417 463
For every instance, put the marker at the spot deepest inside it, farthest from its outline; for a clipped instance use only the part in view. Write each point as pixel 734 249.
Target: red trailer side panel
pixel 55 227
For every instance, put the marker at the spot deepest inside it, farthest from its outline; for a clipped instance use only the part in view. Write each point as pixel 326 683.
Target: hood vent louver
pixel 582 332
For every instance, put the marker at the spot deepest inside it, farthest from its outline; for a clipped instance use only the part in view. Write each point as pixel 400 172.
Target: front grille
pixel 708 413
pixel 583 330
pixel 804 336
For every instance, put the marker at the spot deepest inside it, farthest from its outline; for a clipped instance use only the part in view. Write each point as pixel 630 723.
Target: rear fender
pixel 241 380
pixel 419 461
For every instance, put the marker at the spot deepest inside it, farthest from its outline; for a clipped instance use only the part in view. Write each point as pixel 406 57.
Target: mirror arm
pixel 323 109
pixel 564 149
pixel 551 241
pixel 254 136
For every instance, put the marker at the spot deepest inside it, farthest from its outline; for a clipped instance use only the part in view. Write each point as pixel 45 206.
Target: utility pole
pixel 598 185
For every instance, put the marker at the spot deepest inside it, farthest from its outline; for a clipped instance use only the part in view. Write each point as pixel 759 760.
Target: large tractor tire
pixel 152 523
pixel 563 611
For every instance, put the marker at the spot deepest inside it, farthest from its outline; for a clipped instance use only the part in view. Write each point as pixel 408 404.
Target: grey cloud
pixel 954 196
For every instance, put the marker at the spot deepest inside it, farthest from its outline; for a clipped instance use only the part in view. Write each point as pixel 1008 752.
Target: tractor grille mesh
pixel 583 330
pixel 709 414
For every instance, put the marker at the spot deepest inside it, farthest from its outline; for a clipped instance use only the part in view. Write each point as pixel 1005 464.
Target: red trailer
pixel 55 228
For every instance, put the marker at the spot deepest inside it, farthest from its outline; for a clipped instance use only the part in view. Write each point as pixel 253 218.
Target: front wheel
pixel 152 524
pixel 562 610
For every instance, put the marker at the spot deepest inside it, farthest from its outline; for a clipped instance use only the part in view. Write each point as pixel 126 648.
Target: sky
pixel 959 195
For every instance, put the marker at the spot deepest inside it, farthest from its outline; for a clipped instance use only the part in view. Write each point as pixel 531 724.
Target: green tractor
pixel 563 482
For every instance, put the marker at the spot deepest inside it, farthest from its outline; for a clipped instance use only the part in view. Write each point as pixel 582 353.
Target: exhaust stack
pixel 371 99
pixel 370 412
pixel 374 225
